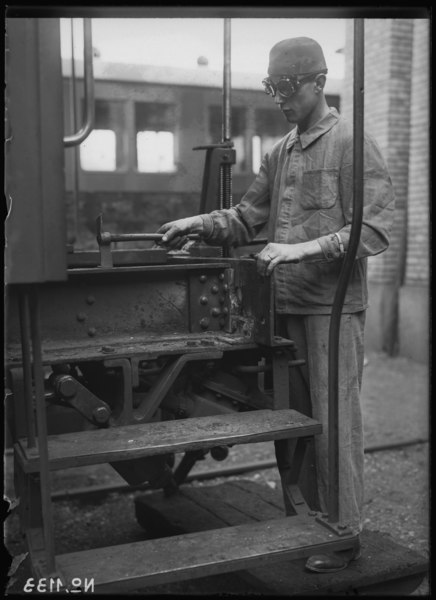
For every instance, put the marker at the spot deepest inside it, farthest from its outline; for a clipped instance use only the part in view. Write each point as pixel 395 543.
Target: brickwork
pixel 417 263
pixel 388 61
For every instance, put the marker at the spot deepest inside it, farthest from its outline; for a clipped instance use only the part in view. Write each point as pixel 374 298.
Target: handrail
pixel 344 276
pixel 77 138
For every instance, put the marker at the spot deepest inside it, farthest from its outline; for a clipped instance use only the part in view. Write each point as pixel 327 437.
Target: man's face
pixel 299 106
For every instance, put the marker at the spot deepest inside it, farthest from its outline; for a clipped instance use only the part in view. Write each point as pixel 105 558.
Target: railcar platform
pixel 385 567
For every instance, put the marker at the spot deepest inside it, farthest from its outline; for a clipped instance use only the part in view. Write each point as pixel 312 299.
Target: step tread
pixel 180 557
pixel 148 439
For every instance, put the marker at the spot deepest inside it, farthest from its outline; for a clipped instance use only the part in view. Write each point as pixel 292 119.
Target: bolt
pixel 214 289
pixel 225 288
pixel 107 349
pixel 92 331
pixel 203 300
pixel 225 311
pixel 221 276
pixel 100 415
pixel 90 300
pixel 66 386
pixel 204 323
pixel 203 278
pixel 215 312
pixel 80 316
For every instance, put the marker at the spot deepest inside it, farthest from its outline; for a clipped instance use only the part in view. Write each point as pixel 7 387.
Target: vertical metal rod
pixel 27 368
pixel 38 375
pixel 227 82
pixel 356 226
pixel 73 100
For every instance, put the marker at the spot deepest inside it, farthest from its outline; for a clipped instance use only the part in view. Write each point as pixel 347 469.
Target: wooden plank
pixel 178 558
pixel 385 565
pixel 149 439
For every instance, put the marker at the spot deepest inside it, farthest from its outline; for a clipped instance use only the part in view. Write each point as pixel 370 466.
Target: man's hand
pixel 273 254
pixel 174 231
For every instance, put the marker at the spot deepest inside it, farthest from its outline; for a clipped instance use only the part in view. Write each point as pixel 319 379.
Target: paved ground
pixel 395 400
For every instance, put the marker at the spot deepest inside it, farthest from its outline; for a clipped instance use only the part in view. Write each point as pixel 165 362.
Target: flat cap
pixel 296 56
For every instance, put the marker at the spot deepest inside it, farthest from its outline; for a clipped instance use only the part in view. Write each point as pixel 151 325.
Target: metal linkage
pixel 105 239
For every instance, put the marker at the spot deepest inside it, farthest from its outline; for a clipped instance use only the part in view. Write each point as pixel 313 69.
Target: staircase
pixel 136 565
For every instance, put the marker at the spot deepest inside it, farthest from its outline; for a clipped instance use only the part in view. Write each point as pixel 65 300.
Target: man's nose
pixel 278 98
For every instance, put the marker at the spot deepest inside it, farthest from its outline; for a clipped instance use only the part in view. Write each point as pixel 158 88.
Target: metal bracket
pixel 338 528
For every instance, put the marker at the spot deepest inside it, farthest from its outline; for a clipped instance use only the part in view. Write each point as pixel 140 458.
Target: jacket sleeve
pixel 238 225
pixel 378 200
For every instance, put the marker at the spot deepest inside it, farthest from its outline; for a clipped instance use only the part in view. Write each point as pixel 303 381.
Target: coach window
pixel 269 128
pixel 155 126
pixel 238 127
pixel 101 150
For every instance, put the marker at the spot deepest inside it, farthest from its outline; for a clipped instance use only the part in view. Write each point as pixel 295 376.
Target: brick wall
pixel 417 262
pixel 397 115
pixel 388 61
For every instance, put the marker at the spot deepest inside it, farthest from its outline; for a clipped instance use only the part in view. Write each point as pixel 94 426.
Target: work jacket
pixel 304 191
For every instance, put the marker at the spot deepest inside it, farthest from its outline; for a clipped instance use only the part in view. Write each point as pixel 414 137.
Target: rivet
pixel 107 349
pixel 225 288
pixel 203 278
pixel 92 331
pixel 215 312
pixel 90 300
pixel 203 300
pixel 225 311
pixel 214 289
pixel 221 276
pixel 204 323
pixel 80 316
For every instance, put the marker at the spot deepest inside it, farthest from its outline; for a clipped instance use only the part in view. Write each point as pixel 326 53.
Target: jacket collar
pixel 316 131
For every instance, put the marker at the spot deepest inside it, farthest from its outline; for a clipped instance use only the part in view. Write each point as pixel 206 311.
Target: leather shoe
pixel 331 563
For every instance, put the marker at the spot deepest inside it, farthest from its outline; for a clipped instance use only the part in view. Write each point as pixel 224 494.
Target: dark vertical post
pixel 27 367
pixel 41 422
pixel 226 169
pixel 356 225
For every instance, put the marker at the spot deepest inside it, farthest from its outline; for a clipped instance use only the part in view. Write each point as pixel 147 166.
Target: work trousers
pixel 309 394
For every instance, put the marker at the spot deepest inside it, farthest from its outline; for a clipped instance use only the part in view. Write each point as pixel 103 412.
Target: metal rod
pixel 73 100
pixel 77 138
pixel 27 368
pixel 38 374
pixel 227 82
pixel 356 225
pixel 134 237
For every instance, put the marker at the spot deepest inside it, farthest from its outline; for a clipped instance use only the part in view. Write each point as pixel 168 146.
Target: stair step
pixel 177 558
pixel 163 437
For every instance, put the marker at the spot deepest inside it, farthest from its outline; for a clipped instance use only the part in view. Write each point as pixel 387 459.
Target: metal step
pixel 149 439
pixel 132 566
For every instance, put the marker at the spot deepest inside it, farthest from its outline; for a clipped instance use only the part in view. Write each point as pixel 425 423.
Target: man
pixel 304 192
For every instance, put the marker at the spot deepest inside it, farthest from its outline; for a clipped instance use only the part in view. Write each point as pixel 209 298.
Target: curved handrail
pixel 344 277
pixel 77 138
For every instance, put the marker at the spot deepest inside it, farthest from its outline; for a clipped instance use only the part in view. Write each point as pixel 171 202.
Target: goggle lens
pixel 286 87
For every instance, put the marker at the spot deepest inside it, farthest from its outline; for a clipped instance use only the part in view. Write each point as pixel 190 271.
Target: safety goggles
pixel 287 84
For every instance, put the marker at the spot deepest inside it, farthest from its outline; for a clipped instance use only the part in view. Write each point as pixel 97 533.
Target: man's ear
pixel 320 82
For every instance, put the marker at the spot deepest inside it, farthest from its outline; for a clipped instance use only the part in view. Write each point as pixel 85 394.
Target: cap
pixel 296 56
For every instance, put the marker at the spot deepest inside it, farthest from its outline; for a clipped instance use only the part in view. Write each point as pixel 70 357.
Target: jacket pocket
pixel 320 189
